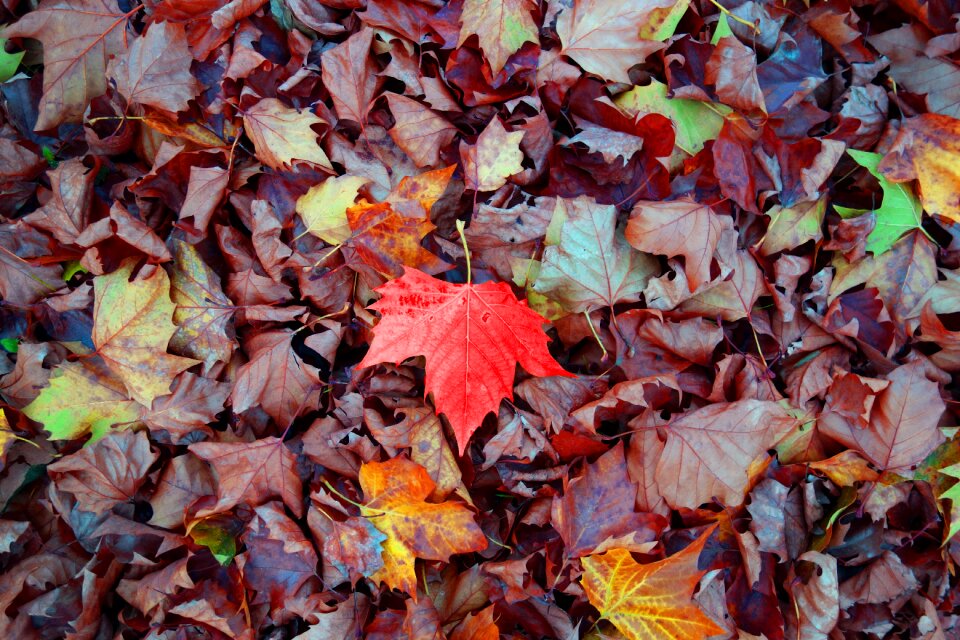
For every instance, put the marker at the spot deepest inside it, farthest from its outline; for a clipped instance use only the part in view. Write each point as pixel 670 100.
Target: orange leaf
pixel 387 240
pixel 649 601
pixel 395 492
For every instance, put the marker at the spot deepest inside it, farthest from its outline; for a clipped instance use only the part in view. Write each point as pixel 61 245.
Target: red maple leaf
pixel 472 336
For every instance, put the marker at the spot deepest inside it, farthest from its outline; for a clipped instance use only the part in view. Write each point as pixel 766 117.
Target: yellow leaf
pixel 324 207
pixel 282 135
pixel 82 397
pixel 649 601
pixel 132 324
pixel 495 157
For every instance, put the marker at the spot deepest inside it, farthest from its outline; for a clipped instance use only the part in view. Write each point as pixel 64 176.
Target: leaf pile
pixel 479 319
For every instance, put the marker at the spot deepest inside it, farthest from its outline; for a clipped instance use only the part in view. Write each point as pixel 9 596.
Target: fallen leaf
pixel 681 228
pixel 502 27
pixel 602 36
pixel 898 213
pixel 82 398
pixel 495 157
pixel 251 473
pixel 155 70
pixel 132 324
pixel 710 451
pixel 649 600
pixel 283 136
pixel 590 265
pixel 394 500
pixel 927 149
pixel 467 333
pixel 79 37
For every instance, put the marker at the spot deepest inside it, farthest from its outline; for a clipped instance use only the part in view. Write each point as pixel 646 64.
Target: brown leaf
pixel 596 512
pixel 106 473
pixel 155 70
pixel 710 452
pixel 79 37
pixel 252 473
pixel 350 76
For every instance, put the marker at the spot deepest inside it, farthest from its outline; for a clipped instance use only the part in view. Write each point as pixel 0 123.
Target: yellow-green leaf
pixel 132 324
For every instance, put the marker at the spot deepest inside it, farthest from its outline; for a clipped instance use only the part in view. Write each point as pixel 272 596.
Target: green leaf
pixel 10 345
pixel 695 122
pixel 722 31
pixel 72 268
pixel 83 397
pixel 215 536
pixel 953 495
pixel 899 213
pixel 8 61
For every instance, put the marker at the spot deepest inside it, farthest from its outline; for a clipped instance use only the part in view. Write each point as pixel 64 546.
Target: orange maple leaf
pixel 395 492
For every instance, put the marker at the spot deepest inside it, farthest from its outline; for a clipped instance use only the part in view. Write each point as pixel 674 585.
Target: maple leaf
pixel 131 328
pixel 83 397
pixel 495 157
pixel 106 473
pixel 472 337
pixel 203 312
pixel 694 122
pixel 282 135
pixel 279 559
pixel 422 432
pixel 79 37
pixel 899 212
pixel 419 130
pixel 387 240
pixel 22 281
pixel 156 69
pixel 647 601
pixel 680 228
pixel 927 149
pixel 596 510
pixel 603 37
pixel 902 420
pixel 324 207
pixel 252 473
pixel 276 378
pixel 710 451
pixel 349 74
pixel 953 495
pixel 501 25
pixel 589 264
pixel 395 494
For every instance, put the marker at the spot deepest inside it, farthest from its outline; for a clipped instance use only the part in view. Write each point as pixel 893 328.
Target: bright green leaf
pixel 899 212
pixel 8 61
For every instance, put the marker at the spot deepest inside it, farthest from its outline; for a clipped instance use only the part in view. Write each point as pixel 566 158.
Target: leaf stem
pixel 596 337
pixel 723 9
pixel 466 250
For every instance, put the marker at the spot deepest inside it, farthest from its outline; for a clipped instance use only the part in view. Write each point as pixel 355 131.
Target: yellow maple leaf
pixel 395 492
pixel 649 601
pixel 132 324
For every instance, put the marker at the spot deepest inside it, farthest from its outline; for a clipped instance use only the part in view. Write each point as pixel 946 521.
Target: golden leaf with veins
pixel 649 601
